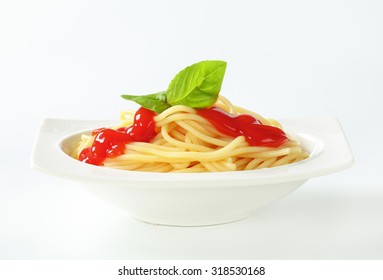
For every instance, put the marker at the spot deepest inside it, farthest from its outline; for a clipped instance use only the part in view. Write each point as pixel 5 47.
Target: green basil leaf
pixel 198 85
pixel 155 101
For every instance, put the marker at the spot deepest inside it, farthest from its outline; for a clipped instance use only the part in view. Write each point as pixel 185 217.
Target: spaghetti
pixel 187 140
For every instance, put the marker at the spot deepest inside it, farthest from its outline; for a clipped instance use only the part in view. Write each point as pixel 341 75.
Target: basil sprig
pixel 196 86
pixel 155 101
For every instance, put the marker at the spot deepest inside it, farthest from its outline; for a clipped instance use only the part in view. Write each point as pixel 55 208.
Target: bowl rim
pixel 330 153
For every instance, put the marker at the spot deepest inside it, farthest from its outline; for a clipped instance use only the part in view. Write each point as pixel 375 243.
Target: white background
pixel 73 59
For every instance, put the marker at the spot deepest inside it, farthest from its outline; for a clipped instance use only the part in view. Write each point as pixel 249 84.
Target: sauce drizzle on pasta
pixel 110 143
pixel 252 129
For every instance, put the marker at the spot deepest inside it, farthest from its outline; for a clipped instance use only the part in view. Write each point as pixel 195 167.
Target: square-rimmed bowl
pixel 195 199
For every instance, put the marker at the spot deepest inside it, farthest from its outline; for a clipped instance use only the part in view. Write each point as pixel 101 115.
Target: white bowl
pixel 192 199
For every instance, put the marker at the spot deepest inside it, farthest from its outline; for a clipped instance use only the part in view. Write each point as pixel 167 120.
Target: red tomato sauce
pixel 255 133
pixel 109 143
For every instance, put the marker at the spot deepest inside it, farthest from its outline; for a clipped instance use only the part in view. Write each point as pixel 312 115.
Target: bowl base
pixel 197 223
